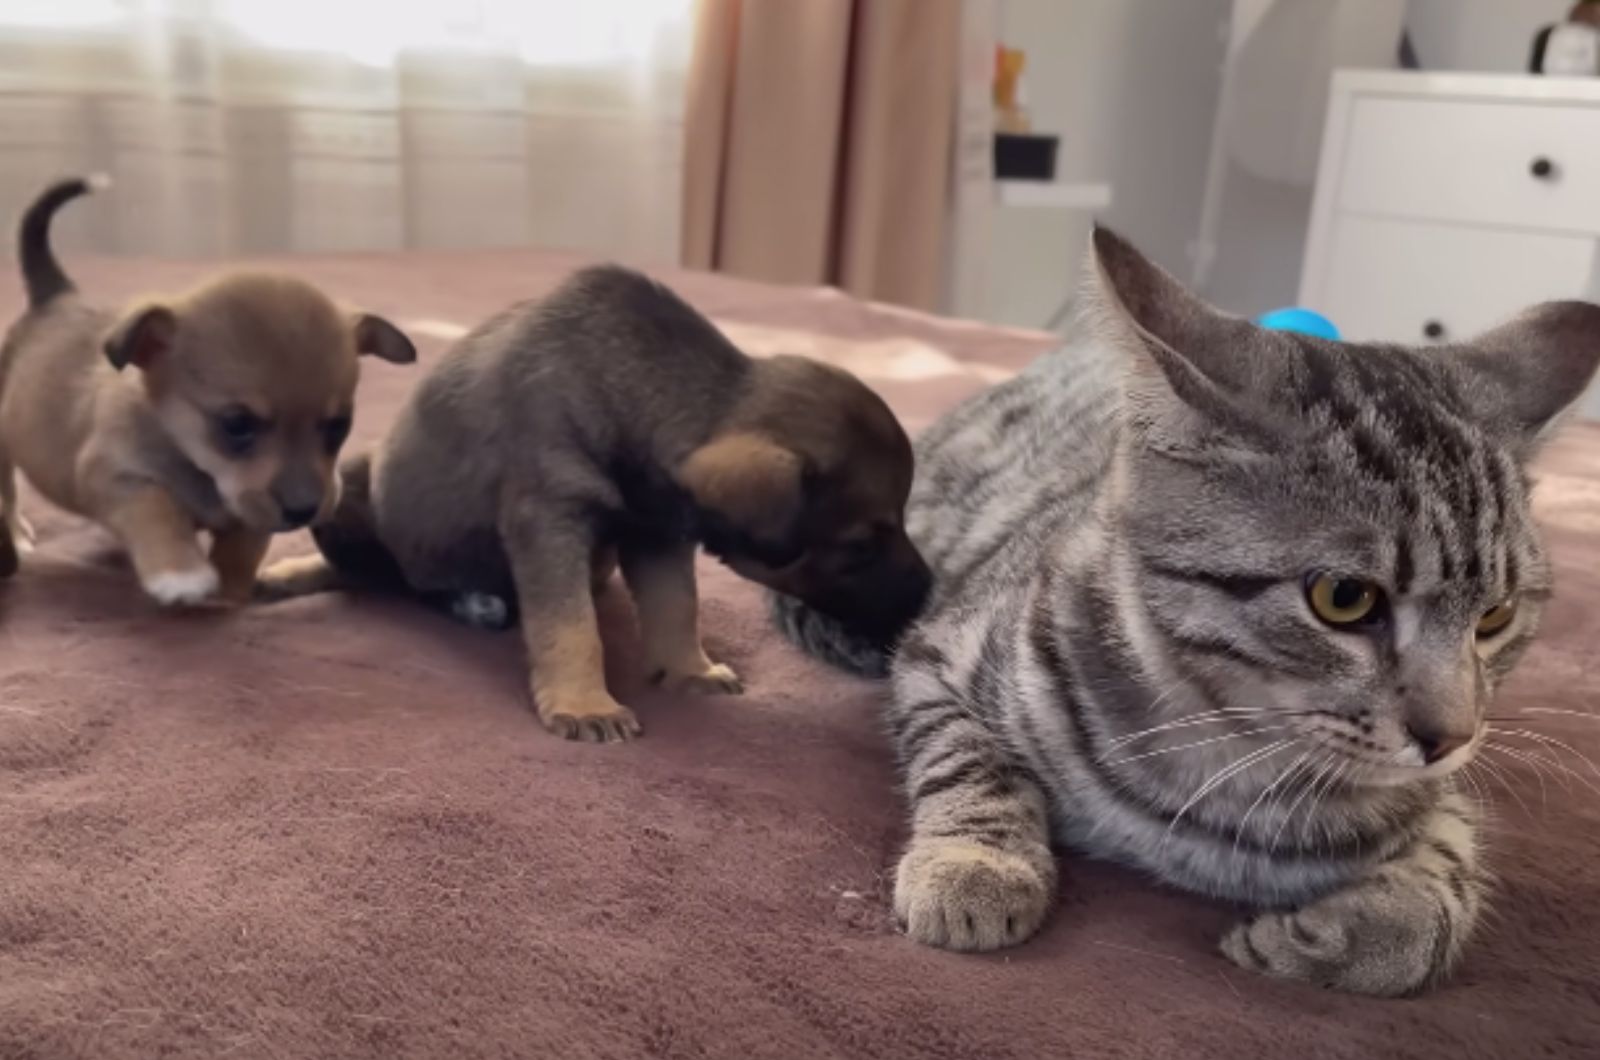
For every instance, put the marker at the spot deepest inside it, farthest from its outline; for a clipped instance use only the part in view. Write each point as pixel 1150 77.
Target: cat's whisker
pixel 1317 797
pixel 1328 762
pixel 1208 717
pixel 1239 829
pixel 1588 715
pixel 1196 743
pixel 1498 775
pixel 1550 741
pixel 1533 759
pixel 1298 774
pixel 1539 763
pixel 1466 774
pixel 1538 773
pixel 1222 776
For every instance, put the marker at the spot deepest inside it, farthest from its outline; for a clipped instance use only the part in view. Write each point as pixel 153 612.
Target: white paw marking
pixel 479 609
pixel 435 329
pixel 183 586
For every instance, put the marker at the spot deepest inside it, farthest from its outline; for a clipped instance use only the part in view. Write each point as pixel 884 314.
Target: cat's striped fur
pixel 1119 657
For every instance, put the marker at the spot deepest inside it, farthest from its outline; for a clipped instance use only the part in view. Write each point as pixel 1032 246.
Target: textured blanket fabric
pixel 332 828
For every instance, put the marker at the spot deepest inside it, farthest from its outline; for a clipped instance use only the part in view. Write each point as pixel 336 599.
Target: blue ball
pixel 1302 320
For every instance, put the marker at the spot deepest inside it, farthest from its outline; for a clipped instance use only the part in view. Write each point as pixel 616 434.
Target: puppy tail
pixel 824 638
pixel 349 541
pixel 41 272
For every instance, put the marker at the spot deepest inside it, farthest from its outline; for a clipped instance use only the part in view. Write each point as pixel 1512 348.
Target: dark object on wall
pixel 1571 48
pixel 1024 156
pixel 1408 53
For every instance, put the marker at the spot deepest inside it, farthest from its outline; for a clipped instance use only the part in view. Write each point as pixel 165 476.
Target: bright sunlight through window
pixel 542 32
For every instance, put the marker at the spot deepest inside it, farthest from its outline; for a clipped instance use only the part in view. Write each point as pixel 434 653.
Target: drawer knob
pixel 1433 329
pixel 1542 168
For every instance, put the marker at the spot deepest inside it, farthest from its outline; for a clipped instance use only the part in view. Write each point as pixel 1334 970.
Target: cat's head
pixel 1337 536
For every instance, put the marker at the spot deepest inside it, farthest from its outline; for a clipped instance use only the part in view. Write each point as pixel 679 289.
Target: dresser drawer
pixel 1405 281
pixel 1529 165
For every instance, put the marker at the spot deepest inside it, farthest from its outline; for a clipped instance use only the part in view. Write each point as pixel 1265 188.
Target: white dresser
pixel 1447 202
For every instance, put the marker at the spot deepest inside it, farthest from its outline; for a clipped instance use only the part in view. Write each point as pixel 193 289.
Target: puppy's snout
pixel 908 589
pixel 295 518
pixel 299 496
pixel 881 604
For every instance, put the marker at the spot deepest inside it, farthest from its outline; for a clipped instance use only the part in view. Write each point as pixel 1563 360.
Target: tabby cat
pixel 1227 605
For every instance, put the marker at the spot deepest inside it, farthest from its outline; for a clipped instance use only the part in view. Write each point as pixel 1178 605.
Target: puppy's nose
pixel 1437 744
pixel 298 516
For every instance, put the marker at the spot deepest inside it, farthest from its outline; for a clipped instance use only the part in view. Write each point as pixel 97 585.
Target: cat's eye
pixel 1497 618
pixel 1344 602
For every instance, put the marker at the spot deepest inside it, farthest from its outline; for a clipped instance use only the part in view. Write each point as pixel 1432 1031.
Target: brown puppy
pixel 613 419
pixel 222 410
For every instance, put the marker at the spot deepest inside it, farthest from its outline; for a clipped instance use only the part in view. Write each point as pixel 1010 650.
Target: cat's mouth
pixel 1413 761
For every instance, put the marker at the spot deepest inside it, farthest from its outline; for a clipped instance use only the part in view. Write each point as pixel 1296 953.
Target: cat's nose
pixel 1437 744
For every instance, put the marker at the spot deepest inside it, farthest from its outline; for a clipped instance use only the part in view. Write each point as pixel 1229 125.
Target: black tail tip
pixel 41 273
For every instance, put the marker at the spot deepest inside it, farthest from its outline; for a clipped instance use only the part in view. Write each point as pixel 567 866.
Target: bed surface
pixel 332 828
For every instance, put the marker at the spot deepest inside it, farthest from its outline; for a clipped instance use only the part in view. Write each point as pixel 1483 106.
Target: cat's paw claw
pixel 962 895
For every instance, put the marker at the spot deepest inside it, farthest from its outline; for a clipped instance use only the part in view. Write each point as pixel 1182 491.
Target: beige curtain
pixel 817 143
pixel 236 127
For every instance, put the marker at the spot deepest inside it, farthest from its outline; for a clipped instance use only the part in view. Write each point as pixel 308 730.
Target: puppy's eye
pixel 334 432
pixel 1344 603
pixel 1496 619
pixel 238 428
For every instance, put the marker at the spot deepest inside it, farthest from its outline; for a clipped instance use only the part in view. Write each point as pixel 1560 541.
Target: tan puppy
pixel 614 420
pixel 222 410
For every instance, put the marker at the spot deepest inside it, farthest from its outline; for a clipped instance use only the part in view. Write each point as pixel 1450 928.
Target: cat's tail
pixel 826 638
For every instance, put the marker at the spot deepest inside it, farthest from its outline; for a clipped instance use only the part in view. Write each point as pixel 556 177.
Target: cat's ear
pixel 1188 363
pixel 1525 374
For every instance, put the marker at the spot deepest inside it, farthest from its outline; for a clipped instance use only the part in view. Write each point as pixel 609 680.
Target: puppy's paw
pixel 183 588
pixel 23 534
pixel 962 895
pixel 710 680
pixel 597 719
pixel 293 577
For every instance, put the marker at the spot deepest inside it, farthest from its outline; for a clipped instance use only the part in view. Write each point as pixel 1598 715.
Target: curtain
pixel 258 126
pixel 818 143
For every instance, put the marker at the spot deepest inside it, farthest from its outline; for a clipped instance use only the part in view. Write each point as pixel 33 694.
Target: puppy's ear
pixel 750 480
pixel 382 339
pixel 144 334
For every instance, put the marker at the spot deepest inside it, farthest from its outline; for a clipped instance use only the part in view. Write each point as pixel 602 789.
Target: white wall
pixel 1263 228
pixel 1131 86
pixel 1481 35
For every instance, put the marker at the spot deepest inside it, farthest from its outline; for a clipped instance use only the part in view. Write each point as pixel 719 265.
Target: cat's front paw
pixel 1336 944
pixel 963 895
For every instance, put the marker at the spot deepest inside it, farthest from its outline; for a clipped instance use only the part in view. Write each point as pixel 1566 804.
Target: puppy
pixel 613 420
pixel 222 410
